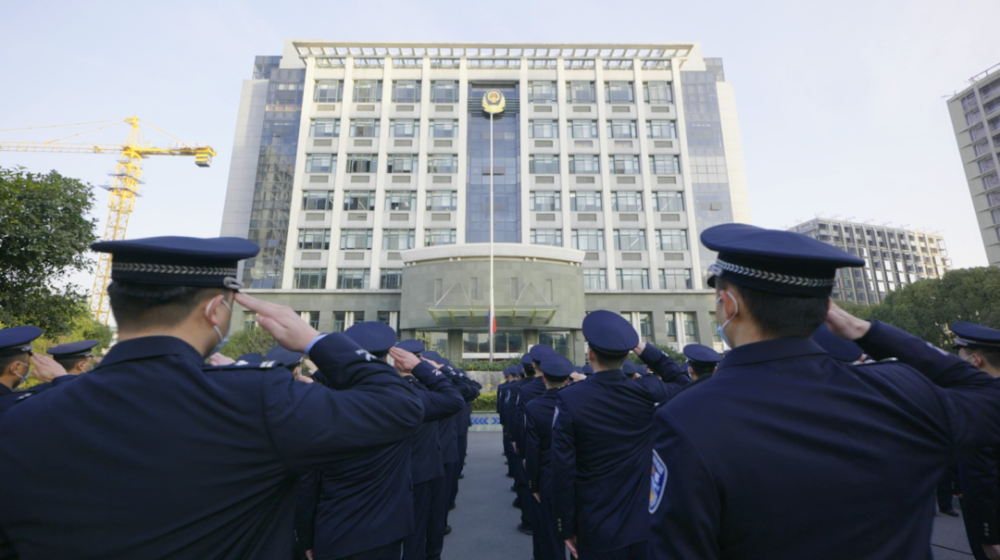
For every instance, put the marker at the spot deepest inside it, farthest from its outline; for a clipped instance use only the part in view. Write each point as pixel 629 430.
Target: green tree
pixel 44 237
pixel 248 341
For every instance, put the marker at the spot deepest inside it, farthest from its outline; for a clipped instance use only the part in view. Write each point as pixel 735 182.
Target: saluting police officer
pixel 75 357
pixel 17 361
pixel 701 361
pixel 785 452
pixel 665 377
pixel 154 454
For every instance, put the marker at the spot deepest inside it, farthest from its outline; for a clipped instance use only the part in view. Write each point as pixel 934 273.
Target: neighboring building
pixel 975 115
pixel 362 171
pixel 893 257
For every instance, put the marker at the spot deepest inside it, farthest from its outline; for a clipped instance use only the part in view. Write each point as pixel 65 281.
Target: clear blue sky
pixel 840 104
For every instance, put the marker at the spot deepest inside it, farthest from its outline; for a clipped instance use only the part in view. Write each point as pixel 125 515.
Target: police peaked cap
pixel 375 337
pixel 701 354
pixel 178 261
pixel 609 333
pixel 411 345
pixel 17 340
pixel 971 335
pixel 71 350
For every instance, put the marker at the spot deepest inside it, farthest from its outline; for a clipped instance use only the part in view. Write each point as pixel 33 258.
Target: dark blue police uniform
pixel 667 378
pixel 15 341
pixel 531 388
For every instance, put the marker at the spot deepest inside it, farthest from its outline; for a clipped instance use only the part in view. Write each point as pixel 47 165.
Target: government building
pixel 363 171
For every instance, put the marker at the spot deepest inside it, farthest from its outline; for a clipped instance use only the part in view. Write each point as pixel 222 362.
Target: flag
pixel 491 321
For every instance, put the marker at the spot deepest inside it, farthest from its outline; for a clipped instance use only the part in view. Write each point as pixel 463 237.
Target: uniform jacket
pixel 978 480
pixel 441 400
pixel 538 432
pixel 533 388
pixel 668 378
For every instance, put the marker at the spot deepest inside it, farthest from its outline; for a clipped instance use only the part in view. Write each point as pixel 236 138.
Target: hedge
pixel 485 402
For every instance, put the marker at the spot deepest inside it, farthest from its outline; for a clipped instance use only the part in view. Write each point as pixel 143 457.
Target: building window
pixel 385 317
pixel 691 326
pixel 390 279
pixel 317 200
pixel 356 239
pixel 339 321
pixel 646 326
pixel 551 237
pixel 445 63
pixel 661 129
pixel 309 278
pixel 324 128
pixel 973 117
pixel 671 327
pixel 543 164
pixel 362 163
pixel 442 200
pixel 543 129
pixel 977 132
pixel 657 93
pixel 442 163
pixel 311 317
pixel 359 200
pixel 675 279
pixel 541 92
pixel 250 318
pixel 404 128
pixel 443 128
pixel 619 92
pixel 623 165
pixel 401 163
pixel 367 91
pixel 981 148
pixel 434 237
pixel 352 278
pixel 579 64
pixel 314 239
pixel 398 239
pixel 986 165
pixel 969 101
pixel 633 279
pixel 713 322
pixel 580 92
pixel 664 165
pixel 630 239
pixel 622 129
pixel 672 239
pixel 365 128
pixel 588 239
pixel 545 201
pixel 400 200
pixel 444 91
pixel 595 279
pixel 995 214
pixel 557 340
pixel 669 201
pixel 582 129
pixel 584 164
pixel 406 91
pixel 993 199
pixel 328 91
pixel 626 201
pixel 588 201
pixel 320 163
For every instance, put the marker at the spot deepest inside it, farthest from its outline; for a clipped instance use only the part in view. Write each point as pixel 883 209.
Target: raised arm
pixel 442 399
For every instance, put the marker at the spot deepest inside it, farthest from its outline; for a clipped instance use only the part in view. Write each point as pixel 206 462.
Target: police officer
pixel 75 357
pixel 555 370
pixel 15 356
pixel 980 346
pixel 501 396
pixel 510 404
pixel 663 377
pixel 469 388
pixel 601 448
pixel 533 386
pixel 171 457
pixel 701 361
pixel 784 453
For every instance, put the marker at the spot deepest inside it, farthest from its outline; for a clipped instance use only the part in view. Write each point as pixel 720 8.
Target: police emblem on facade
pixel 657 483
pixel 493 101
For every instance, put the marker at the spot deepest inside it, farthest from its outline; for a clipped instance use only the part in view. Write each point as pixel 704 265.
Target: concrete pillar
pixel 407 334
pixel 455 344
pixel 530 338
pixel 578 347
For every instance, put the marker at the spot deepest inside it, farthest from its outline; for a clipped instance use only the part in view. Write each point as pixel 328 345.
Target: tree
pixel 44 237
pixel 248 341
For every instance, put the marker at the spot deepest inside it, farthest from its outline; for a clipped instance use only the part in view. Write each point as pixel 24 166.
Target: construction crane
pixel 124 185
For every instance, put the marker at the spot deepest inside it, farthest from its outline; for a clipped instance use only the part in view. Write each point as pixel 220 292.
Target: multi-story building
pixel 975 116
pixel 893 257
pixel 363 172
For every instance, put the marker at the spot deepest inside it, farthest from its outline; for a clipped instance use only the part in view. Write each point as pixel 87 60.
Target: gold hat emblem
pixel 493 101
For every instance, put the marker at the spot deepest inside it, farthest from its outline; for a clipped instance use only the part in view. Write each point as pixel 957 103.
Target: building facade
pixel 893 257
pixel 975 116
pixel 363 172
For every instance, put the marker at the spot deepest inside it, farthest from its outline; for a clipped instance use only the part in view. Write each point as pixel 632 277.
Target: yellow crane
pixel 124 184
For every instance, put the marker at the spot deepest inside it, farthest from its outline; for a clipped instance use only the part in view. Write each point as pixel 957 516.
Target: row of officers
pixel 784 452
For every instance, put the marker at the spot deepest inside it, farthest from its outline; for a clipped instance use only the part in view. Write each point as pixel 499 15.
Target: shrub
pixel 485 402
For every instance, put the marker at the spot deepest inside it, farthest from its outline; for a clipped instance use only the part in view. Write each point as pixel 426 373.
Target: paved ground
pixel 484 525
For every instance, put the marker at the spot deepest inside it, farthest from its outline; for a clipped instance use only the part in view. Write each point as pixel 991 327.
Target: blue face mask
pixel 721 328
pixel 223 340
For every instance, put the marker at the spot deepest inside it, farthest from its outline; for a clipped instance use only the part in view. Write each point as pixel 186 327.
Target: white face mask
pixel 721 328
pixel 223 339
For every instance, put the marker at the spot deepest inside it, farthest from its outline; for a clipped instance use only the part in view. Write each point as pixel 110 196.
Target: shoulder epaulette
pixel 877 362
pixel 241 366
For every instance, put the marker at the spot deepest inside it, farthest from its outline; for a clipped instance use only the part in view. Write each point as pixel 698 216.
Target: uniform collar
pixel 148 347
pixel 5 390
pixel 610 374
pixel 769 351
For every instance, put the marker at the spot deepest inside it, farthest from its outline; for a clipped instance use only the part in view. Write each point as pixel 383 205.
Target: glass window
pixel 622 129
pixel 619 92
pixel 444 91
pixel 355 239
pixel 623 165
pixel 664 165
pixel 400 200
pixel 543 129
pixel 362 163
pixel 671 327
pixel 317 200
pixel 309 278
pixel 633 279
pixel 668 201
pixel 546 237
pixel 328 91
pixel 324 128
pixel 595 279
pixel 584 164
pixel 314 239
pixel 675 279
pixel 404 128
pixel 991 181
pixel 406 91
pixel 365 128
pixel 970 119
pixel 588 239
pixel 691 326
pixel 359 200
pixel 352 278
pixel 401 163
pixel 672 239
pixel 661 129
pixel 443 128
pixel 588 201
pixel 646 326
pixel 657 93
pixel 543 164
pixel 311 317
pixel 367 91
pixel 630 239
pixel 969 101
pixel 580 92
pixel 995 214
pixel 993 199
pixel 626 201
pixel 545 201
pixel 390 279
pixel 442 163
pixel 439 237
pixel 320 163
pixel 557 340
pixel 398 239
pixel 442 200
pixel 541 92
pixel 339 317
pixel 582 129
pixel 977 132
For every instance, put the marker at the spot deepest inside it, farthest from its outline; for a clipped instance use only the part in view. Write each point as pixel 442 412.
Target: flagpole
pixel 493 312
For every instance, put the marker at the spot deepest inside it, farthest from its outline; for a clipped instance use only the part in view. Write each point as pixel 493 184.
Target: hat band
pixel 173 269
pixel 966 342
pixel 769 276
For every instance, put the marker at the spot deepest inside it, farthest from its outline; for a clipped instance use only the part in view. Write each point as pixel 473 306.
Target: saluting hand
pixel 46 369
pixel 639 349
pixel 577 377
pixel 284 324
pixel 992 551
pixel 845 325
pixel 403 360
pixel 571 545
pixel 220 360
